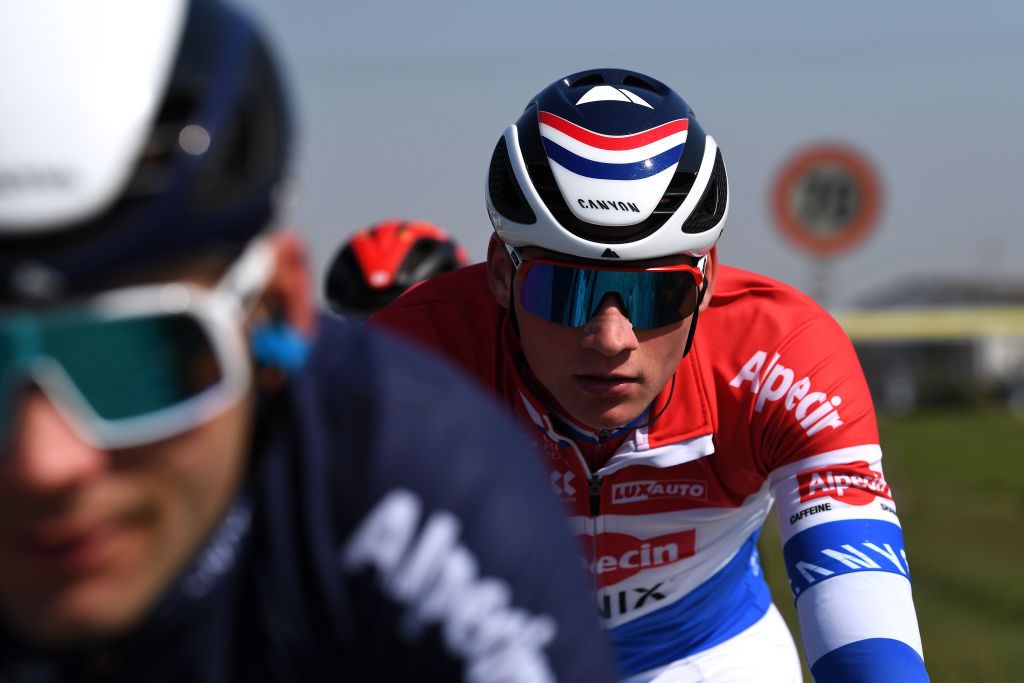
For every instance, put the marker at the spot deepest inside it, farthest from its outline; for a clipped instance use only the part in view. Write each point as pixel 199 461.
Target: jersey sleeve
pixel 452 543
pixel 842 541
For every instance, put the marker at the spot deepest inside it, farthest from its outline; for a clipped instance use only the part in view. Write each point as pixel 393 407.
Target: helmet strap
pixel 693 323
pixel 517 260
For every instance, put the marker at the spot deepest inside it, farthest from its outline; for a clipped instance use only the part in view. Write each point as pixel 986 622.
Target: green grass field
pixel 958 481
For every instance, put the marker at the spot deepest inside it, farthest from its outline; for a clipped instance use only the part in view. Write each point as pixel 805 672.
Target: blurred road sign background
pixel 826 199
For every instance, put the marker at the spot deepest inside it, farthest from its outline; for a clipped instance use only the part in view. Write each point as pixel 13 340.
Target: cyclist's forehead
pixel 529 253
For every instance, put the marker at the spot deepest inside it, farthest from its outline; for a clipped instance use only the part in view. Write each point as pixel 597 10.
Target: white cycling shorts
pixel 764 653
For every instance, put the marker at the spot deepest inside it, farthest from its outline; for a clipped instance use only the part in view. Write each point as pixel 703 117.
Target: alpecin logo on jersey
pixel 815 410
pixel 639 491
pixel 852 483
pixel 620 556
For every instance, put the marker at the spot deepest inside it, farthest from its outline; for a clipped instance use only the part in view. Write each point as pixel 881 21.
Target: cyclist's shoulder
pixel 463 287
pixel 454 313
pixel 375 360
pixel 391 380
pixel 737 288
pixel 768 310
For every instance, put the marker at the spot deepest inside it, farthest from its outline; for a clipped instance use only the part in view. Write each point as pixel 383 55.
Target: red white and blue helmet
pixel 608 164
pixel 133 133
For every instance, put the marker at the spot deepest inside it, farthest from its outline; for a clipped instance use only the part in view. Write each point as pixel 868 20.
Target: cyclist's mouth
pixel 606 386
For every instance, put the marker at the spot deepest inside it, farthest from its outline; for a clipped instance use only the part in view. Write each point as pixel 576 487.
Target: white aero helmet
pixel 608 164
pixel 134 132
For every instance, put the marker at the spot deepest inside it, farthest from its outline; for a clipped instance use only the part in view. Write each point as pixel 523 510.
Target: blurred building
pixel 936 341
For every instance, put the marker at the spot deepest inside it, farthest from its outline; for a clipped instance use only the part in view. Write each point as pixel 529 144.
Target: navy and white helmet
pixel 610 164
pixel 133 133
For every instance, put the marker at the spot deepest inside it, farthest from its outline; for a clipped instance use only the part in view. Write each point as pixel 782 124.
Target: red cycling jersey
pixel 770 404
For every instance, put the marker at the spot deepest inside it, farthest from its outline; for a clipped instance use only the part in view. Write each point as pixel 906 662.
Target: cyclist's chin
pixel 88 599
pixel 608 413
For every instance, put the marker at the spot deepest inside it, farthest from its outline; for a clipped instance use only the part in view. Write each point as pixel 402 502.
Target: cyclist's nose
pixel 45 454
pixel 609 331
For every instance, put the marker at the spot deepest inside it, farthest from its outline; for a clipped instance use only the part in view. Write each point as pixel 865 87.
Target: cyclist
pixel 669 441
pixel 380 262
pixel 200 478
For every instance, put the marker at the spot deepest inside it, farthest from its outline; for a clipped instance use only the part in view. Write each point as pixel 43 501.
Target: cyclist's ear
pixel 499 271
pixel 283 327
pixel 289 294
pixel 710 272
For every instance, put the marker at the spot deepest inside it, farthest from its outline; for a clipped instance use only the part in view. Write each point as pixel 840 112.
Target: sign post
pixel 826 199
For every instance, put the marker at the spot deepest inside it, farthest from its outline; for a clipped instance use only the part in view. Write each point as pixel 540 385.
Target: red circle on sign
pixel 844 164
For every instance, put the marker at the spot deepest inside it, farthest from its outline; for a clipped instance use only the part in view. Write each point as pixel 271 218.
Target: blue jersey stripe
pixel 599 169
pixel 729 602
pixel 875 660
pixel 832 549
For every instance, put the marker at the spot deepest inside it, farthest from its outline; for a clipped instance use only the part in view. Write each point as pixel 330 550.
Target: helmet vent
pixel 154 171
pixel 506 195
pixel 589 79
pixel 426 258
pixel 711 209
pixel 249 152
pixel 637 82
pixel 675 194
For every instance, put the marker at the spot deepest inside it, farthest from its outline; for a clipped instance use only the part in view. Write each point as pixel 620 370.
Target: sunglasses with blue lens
pixel 570 293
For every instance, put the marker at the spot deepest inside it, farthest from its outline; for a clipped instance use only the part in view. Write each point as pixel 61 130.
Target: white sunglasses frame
pixel 220 313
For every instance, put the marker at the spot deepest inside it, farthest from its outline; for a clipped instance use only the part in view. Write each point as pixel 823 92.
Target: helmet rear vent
pixel 675 194
pixel 637 82
pixel 506 195
pixel 248 153
pixel 589 79
pixel 711 209
pixel 155 169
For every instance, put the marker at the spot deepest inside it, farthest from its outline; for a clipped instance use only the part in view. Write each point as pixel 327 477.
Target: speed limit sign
pixel 826 199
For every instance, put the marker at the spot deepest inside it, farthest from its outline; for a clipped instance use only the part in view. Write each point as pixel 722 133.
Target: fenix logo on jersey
pixel 639 491
pixel 814 410
pixel 620 602
pixel 852 483
pixel 620 556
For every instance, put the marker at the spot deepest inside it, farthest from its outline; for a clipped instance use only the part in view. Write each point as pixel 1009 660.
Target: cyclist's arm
pixel 848 569
pixel 842 541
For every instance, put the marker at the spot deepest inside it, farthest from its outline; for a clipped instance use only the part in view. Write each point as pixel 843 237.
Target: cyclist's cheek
pixel 90 538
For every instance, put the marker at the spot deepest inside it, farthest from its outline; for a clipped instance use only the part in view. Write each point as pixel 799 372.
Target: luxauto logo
pixel 639 491
pixel 622 555
pixel 853 483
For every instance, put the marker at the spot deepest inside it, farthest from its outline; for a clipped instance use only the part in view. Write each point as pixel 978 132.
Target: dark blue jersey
pixel 393 526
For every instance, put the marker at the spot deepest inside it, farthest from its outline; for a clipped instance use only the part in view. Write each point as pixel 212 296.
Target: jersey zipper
pixel 595 496
pixel 595 480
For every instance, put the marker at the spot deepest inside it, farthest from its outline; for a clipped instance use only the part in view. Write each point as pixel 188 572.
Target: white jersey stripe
pixel 872 453
pixel 857 606
pixel 612 156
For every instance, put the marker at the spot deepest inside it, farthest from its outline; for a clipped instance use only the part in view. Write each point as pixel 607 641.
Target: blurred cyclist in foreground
pixel 378 263
pixel 667 441
pixel 200 478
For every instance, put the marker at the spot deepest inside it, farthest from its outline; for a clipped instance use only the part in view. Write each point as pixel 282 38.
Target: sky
pixel 399 106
